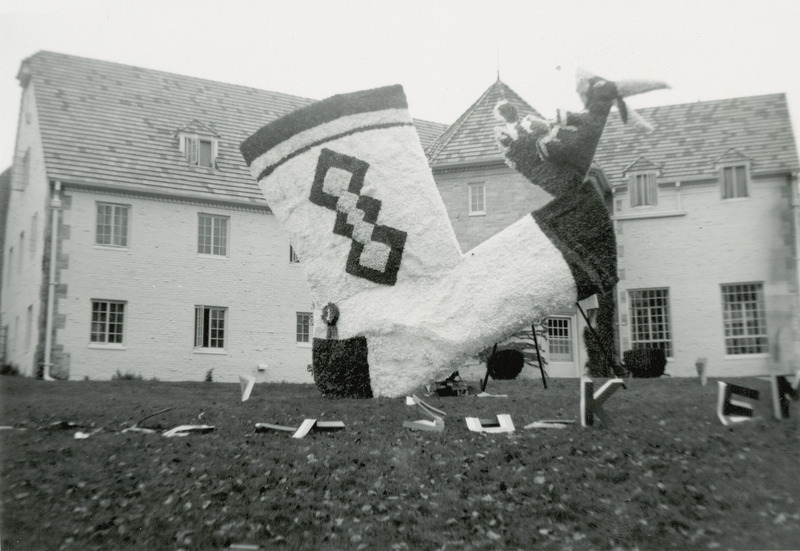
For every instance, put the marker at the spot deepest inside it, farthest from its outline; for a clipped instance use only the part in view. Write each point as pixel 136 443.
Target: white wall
pixel 162 278
pixel 23 277
pixel 711 242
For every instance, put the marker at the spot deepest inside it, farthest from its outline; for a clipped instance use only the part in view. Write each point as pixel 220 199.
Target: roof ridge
pixel 499 88
pixel 163 72
pixel 709 101
pixel 445 137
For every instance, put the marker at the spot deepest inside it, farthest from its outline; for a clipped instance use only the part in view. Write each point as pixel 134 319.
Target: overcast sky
pixel 445 53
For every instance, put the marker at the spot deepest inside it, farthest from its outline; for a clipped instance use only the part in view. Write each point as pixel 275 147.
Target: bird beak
pixel 627 88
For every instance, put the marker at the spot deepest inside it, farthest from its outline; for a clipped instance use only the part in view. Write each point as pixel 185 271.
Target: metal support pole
pixel 538 356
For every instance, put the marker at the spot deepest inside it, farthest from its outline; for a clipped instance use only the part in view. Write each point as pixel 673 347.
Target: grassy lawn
pixel 669 476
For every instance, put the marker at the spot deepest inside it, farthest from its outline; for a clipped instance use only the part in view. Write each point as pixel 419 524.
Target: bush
pixel 210 375
pixel 340 368
pixel 118 376
pixel 8 369
pixel 645 362
pixel 505 364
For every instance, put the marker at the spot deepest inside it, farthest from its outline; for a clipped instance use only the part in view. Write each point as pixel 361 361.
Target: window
pixel 559 339
pixel 107 322
pixel 650 320
pixel 112 225
pixel 22 171
pixel 734 182
pixel 293 258
pixel 477 199
pixel 644 190
pixel 28 327
pixel 304 325
pixel 21 251
pixel 199 151
pixel 209 327
pixel 34 230
pixel 212 235
pixel 744 318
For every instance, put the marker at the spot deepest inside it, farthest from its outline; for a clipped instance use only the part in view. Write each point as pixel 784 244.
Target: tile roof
pixel 690 140
pixel 471 138
pixel 108 124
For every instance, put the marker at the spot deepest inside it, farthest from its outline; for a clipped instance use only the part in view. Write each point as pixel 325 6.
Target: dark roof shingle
pixel 471 138
pixel 108 124
pixel 690 140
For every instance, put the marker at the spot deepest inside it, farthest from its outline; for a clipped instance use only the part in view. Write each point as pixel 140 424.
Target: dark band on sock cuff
pixel 321 112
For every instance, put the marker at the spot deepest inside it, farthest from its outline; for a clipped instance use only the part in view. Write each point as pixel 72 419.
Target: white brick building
pixel 706 211
pixel 166 262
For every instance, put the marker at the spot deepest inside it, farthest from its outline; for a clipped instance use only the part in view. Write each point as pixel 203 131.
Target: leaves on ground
pixel 669 476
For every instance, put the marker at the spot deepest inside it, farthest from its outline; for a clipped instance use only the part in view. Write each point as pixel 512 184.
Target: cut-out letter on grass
pixel 782 391
pixel 734 411
pixel 246 382
pixel 592 402
pixel 503 423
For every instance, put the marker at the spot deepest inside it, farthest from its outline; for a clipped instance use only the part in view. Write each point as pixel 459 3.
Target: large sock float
pixel 398 304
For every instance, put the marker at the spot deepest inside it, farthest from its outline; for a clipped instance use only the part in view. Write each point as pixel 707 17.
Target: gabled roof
pixel 107 124
pixel 642 164
pixel 197 127
pixel 470 140
pixel 733 155
pixel 690 140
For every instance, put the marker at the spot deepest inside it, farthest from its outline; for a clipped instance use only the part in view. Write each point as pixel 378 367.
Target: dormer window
pixel 199 150
pixel 199 143
pixel 734 167
pixel 644 190
pixel 642 184
pixel 735 181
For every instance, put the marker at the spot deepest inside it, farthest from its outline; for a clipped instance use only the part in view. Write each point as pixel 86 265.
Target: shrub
pixel 505 364
pixel 118 376
pixel 8 369
pixel 210 375
pixel 340 368
pixel 645 362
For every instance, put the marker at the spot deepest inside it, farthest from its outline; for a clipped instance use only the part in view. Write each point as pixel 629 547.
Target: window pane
pixel 204 154
pixel 209 327
pixel 204 235
pixel 112 225
pixel 121 226
pixel 650 324
pixel 220 236
pixel 741 182
pixel 477 195
pixel 191 149
pixel 303 327
pixel 107 322
pixel 734 182
pixel 744 318
pixel 103 225
pixel 559 339
pixel 652 189
pixel 212 235
pixel 198 326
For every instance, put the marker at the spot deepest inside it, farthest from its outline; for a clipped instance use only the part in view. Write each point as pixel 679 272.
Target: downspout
pixel 55 206
pixel 793 182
